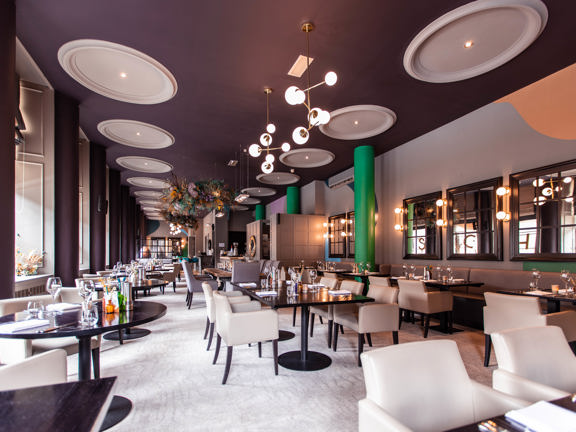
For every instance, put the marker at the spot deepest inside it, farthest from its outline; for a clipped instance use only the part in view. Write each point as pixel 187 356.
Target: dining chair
pixel 379 280
pixel 194 282
pixel 171 276
pixel 413 297
pixel 246 325
pixel 423 386
pixel 368 318
pixel 506 311
pixel 39 370
pixel 233 297
pixel 534 363
pixel 245 272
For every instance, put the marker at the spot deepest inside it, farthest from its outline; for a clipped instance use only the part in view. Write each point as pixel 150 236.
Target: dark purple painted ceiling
pixel 224 52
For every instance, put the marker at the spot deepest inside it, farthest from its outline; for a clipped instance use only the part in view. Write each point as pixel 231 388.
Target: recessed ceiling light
pixel 468 44
pixel 123 75
pixel 355 122
pixel 137 133
pixel 307 157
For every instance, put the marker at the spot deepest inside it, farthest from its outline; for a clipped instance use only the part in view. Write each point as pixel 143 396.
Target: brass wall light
pixel 398 219
pixel 327 228
pixel 440 212
pixel 503 203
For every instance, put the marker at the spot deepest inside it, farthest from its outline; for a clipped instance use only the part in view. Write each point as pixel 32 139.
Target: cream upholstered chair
pixel 534 363
pixel 505 311
pixel 233 297
pixel 414 297
pixel 245 272
pixel 379 280
pixel 171 276
pixel 246 324
pixel 43 369
pixel 194 283
pixel 424 386
pixel 366 318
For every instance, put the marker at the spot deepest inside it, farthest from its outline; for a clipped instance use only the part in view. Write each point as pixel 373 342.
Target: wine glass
pixel 565 276
pixel 536 277
pixel 450 274
pixel 89 314
pixel 313 274
pixel 85 288
pixel 405 271
pixel 53 286
pixel 34 309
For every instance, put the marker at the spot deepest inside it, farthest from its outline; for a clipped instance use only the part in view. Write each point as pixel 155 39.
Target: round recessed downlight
pixel 148 182
pixel 117 71
pixel 358 122
pixel 136 134
pixel 144 164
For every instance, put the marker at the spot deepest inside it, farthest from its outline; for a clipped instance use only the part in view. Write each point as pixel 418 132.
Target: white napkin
pixel 458 280
pixel 248 284
pixel 544 417
pixel 339 292
pixel 538 292
pixel 23 325
pixel 60 307
pixel 266 293
pixel 318 285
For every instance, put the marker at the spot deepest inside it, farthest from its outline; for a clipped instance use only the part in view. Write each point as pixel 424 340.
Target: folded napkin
pixel 544 417
pixel 317 285
pixel 60 307
pixel 538 292
pixel 339 292
pixel 23 325
pixel 248 284
pixel 458 280
pixel 266 293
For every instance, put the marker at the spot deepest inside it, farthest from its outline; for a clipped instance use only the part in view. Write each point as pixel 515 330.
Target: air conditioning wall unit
pixel 341 179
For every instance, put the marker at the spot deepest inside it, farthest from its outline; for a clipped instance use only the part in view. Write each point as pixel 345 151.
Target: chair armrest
pixel 239 299
pixel 249 327
pixel 42 369
pixel 440 301
pixel 245 305
pixel 566 320
pixel 490 403
pixel 373 418
pixel 232 293
pixel 14 350
pixel 377 317
pixel 518 386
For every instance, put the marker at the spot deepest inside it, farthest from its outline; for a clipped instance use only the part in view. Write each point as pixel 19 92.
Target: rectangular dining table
pixel 553 301
pixel 303 360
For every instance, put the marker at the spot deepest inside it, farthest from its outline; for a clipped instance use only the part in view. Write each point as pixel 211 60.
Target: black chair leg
pixel 330 329
pixel 400 318
pixel 360 347
pixel 210 337
pixel 342 329
pixel 426 325
pixel 228 362
pixel 369 339
pixel 260 349
pixel 335 339
pixel 174 285
pixel 207 327
pixel 96 362
pixel 217 350
pixel 487 349
pixel 312 316
pixel 190 299
pixel 294 317
pixel 275 350
pixel 395 337
pixel 321 322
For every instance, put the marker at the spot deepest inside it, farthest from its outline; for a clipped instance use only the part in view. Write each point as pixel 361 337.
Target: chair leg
pixel 330 329
pixel 342 329
pixel 294 317
pixel 228 362
pixel 395 337
pixel 426 325
pixel 335 339
pixel 207 327
pixel 275 350
pixel 321 322
pixel 400 318
pixel 217 350
pixel 121 336
pixel 260 349
pixel 487 349
pixel 360 347
pixel 96 362
pixel 210 337
pixel 174 285
pixel 450 319
pixel 369 339
pixel 312 316
pixel 190 299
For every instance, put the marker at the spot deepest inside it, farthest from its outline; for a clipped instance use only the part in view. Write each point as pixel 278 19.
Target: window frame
pixel 436 254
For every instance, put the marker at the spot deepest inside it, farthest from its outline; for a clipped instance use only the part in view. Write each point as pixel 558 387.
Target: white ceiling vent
pixel 341 179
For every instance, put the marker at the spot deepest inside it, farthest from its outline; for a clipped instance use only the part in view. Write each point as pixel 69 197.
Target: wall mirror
pixel 543 222
pixel 422 237
pixel 473 231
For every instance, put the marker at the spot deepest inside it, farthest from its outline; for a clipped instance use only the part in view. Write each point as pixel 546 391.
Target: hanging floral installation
pixel 187 202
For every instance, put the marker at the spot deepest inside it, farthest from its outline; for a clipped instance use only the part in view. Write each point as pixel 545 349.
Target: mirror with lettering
pixel 422 237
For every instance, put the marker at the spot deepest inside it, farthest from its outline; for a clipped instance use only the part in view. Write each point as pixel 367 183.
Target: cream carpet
pixel 173 385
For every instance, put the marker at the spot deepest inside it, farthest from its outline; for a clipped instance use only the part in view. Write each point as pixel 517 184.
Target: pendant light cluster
pixel 294 96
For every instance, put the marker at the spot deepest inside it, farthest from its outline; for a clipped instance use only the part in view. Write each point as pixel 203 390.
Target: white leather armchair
pixel 505 311
pixel 414 297
pixel 244 325
pixel 42 369
pixel 534 363
pixel 233 297
pixel 366 318
pixel 424 386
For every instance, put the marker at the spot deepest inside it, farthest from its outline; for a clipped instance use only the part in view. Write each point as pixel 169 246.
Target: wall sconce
pixel 398 216
pixel 440 204
pixel 503 213
pixel 346 227
pixel 327 227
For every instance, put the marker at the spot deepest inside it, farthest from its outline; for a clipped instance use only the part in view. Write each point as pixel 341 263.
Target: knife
pixel 51 329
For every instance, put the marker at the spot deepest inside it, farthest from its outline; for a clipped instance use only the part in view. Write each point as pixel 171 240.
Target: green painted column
pixel 293 200
pixel 260 212
pixel 364 205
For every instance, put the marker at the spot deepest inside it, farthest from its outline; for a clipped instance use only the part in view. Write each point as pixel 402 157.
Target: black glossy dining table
pixel 553 300
pixel 304 359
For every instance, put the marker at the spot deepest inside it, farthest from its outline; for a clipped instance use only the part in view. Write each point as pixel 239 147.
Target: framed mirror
pixel 543 220
pixel 473 232
pixel 422 238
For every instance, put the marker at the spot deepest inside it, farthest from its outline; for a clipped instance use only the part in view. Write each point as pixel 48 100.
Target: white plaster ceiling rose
pixel 474 39
pixel 148 182
pixel 117 71
pixel 136 134
pixel 358 122
pixel 259 191
pixel 148 194
pixel 238 207
pixel 307 158
pixel 149 202
pixel 144 164
pixel 251 201
pixel 278 178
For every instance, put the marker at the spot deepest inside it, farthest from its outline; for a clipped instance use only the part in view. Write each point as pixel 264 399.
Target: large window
pixel 422 237
pixel 543 220
pixel 341 235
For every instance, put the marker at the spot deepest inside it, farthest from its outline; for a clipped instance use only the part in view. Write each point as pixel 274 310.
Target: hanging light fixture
pixel 295 96
pixel 256 150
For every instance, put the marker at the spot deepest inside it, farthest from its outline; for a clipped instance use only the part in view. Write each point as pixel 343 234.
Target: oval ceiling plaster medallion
pixel 149 202
pixel 474 39
pixel 278 178
pixel 144 164
pixel 117 71
pixel 251 201
pixel 136 134
pixel 148 182
pixel 259 191
pixel 358 122
pixel 148 194
pixel 307 158
pixel 238 207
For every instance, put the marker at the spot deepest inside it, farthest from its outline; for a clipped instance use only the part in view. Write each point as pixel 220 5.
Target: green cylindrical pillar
pixel 364 205
pixel 260 212
pixel 293 200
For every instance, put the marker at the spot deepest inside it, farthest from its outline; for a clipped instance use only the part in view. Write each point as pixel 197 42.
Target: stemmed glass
pixel 313 274
pixel 565 276
pixel 53 286
pixel 450 274
pixel 536 277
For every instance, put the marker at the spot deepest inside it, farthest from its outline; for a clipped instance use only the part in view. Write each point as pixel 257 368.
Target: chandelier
pixel 175 228
pixel 295 96
pixel 266 141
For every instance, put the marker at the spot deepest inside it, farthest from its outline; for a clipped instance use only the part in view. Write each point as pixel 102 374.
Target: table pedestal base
pixel 314 361
pixel 127 334
pixel 443 329
pixel 284 335
pixel 119 409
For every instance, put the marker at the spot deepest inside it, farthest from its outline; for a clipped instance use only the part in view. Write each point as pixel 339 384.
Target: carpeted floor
pixel 173 385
